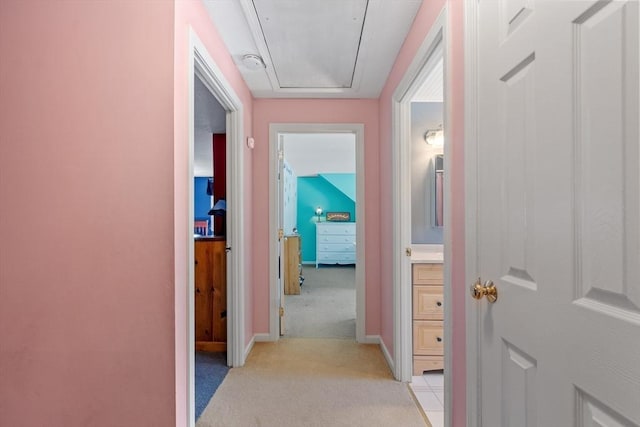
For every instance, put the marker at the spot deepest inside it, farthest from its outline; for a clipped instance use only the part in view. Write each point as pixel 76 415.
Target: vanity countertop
pixel 426 254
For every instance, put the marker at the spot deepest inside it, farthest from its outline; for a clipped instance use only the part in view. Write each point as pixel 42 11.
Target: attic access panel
pixel 312 44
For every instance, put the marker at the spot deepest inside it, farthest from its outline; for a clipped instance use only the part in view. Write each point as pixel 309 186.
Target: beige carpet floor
pixel 326 306
pixel 305 382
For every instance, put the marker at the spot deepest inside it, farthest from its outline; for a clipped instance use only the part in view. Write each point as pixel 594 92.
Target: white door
pixel 280 211
pixel 558 213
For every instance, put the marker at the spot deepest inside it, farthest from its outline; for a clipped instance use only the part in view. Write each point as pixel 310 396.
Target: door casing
pixel 202 64
pixel 434 44
pixel 357 129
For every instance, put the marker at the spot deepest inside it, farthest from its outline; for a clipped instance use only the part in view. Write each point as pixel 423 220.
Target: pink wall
pixel 191 13
pixel 86 219
pixel 423 22
pixel 266 111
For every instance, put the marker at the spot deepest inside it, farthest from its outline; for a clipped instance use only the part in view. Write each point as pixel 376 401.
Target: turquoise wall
pixel 314 191
pixel 345 182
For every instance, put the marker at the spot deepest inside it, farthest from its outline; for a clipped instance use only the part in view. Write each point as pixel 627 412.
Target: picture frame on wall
pixel 339 216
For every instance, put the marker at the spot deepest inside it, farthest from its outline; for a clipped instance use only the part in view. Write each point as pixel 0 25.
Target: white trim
pixel 434 43
pixel 279 128
pixel 474 398
pixel 387 356
pixel 249 347
pixel 201 63
pixel 371 339
pixel 262 338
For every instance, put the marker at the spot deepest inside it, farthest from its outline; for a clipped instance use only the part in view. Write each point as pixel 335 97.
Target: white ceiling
pixel 314 49
pixel 432 90
pixel 309 154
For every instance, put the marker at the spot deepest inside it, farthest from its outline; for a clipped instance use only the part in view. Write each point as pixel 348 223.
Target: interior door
pixel 558 211
pixel 281 253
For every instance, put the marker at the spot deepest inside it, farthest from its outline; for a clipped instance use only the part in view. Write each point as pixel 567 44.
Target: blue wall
pixel 313 192
pixel 202 201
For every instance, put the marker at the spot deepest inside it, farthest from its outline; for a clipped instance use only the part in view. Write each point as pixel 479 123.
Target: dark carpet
pixel 211 368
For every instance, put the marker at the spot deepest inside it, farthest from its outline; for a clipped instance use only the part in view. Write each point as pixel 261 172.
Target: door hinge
pixel 280 154
pixel 281 311
pixel 407 251
pixel 280 234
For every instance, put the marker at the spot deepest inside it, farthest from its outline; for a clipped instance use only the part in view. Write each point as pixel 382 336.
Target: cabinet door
pixel 427 338
pixel 210 291
pixel 204 291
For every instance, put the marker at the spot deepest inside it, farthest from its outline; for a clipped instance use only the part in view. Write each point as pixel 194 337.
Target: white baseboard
pixel 254 339
pixel 387 356
pixel 262 337
pixel 376 339
pixel 248 348
pixel 371 339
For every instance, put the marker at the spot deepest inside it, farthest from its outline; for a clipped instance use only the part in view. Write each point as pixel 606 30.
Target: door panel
pixel 558 212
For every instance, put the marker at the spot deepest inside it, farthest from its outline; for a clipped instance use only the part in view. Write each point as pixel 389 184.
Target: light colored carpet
pixel 326 306
pixel 312 383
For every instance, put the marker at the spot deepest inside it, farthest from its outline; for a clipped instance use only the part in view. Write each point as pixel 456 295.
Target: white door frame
pixel 435 43
pixel 202 64
pixel 282 128
pixel 472 310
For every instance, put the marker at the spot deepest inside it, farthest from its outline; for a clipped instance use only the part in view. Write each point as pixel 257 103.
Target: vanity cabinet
pixel 428 315
pixel 335 243
pixel 210 294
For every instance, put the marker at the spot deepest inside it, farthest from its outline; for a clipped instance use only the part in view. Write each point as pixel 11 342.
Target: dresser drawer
pixel 427 303
pixel 336 228
pixel 427 274
pixel 336 239
pixel 336 257
pixel 336 247
pixel 427 338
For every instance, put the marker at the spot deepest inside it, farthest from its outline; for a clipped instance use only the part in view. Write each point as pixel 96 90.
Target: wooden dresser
pixel 210 294
pixel 335 243
pixel 428 342
pixel 292 265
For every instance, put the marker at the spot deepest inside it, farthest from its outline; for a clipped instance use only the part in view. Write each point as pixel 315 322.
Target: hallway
pixel 312 382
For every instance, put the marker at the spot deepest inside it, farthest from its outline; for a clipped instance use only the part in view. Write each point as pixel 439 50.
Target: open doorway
pixel 210 279
pixel 278 134
pixel 202 67
pixel 422 238
pixel 318 207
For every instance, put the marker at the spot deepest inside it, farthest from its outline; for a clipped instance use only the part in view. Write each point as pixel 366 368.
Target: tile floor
pixel 429 390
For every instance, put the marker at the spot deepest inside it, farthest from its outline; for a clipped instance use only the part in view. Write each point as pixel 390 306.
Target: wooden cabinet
pixel 428 340
pixel 210 294
pixel 335 243
pixel 292 265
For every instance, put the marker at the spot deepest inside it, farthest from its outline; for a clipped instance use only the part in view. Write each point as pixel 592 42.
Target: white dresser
pixel 335 243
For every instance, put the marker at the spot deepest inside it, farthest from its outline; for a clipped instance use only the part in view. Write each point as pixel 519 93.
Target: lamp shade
pixel 220 208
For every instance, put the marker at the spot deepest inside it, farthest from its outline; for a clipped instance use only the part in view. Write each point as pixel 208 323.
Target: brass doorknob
pixel 478 290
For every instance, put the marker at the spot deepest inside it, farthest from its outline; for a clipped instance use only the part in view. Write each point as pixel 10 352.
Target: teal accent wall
pixel 314 191
pixel 345 182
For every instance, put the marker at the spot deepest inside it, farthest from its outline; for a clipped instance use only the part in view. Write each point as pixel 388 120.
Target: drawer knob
pixel 439 339
pixel 439 304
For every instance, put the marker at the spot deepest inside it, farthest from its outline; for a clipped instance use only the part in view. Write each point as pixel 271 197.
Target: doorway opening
pixel 279 133
pixel 210 281
pixel 230 258
pixel 421 159
pixel 318 209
